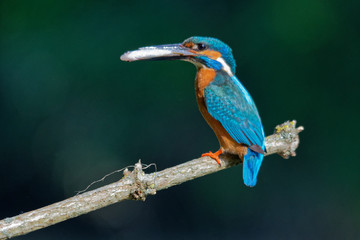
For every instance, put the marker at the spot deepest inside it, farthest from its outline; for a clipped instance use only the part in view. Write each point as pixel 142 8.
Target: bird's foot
pixel 214 156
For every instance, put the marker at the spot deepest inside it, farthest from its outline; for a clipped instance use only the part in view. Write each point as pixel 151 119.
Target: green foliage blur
pixel 71 112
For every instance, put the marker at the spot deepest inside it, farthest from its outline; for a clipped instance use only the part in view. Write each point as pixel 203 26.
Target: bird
pixel 222 99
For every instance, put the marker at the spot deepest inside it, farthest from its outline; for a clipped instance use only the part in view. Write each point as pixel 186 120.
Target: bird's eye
pixel 200 46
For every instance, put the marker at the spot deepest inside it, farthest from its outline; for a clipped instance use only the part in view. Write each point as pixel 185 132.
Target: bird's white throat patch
pixel 225 67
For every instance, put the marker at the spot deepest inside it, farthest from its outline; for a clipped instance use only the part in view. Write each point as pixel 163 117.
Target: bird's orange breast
pixel 203 78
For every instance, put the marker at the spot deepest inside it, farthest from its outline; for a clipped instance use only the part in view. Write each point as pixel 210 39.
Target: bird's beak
pixel 160 52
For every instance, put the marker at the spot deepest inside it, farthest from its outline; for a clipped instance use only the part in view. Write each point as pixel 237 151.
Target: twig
pixel 136 185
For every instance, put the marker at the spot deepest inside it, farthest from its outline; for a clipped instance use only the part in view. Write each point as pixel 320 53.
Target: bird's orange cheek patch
pixel 211 54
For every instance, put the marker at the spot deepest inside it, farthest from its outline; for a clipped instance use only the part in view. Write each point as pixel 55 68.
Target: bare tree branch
pixel 136 185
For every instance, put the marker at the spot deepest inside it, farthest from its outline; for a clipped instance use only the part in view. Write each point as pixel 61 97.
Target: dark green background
pixel 71 112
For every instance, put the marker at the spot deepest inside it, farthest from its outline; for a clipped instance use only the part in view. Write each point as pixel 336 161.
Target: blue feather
pixel 211 63
pixel 216 45
pixel 230 103
pixel 251 167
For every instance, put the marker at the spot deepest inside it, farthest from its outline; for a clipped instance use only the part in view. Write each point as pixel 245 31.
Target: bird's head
pixel 202 51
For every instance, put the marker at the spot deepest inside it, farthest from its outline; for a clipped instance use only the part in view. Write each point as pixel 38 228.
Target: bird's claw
pixel 214 156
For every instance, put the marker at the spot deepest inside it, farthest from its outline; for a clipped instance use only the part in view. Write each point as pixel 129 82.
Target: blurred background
pixel 71 112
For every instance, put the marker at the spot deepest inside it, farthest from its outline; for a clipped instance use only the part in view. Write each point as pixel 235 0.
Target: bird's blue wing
pixel 229 102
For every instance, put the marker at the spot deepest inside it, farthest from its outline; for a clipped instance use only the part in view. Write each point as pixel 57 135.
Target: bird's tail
pixel 251 167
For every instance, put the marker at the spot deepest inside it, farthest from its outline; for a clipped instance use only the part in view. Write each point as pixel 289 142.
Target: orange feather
pixel 227 143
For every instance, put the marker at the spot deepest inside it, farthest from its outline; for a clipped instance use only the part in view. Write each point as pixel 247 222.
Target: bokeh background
pixel 71 112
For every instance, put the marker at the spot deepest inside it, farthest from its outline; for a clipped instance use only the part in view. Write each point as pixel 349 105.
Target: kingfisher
pixel 222 99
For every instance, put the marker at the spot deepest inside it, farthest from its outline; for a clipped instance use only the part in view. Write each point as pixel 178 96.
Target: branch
pixel 136 185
